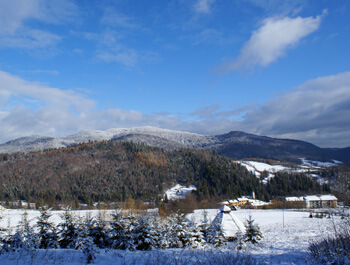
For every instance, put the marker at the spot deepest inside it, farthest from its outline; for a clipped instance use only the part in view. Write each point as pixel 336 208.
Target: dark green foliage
pixel 285 184
pixel 111 171
pixel 68 232
pixel 114 171
pixel 47 235
pixel 252 233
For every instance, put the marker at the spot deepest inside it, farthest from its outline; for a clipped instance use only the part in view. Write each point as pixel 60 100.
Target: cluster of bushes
pixel 334 248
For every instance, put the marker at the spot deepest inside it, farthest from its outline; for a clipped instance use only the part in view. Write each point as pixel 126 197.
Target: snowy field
pixel 286 233
pixel 286 238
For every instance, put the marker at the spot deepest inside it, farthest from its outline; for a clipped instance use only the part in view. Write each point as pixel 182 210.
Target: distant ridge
pixel 234 144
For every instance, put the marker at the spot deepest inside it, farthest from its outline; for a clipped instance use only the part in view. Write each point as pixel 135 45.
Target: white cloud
pixel 14 15
pixel 30 39
pixel 272 40
pixel 34 108
pixel 127 57
pixel 203 6
pixel 115 18
pixel 317 111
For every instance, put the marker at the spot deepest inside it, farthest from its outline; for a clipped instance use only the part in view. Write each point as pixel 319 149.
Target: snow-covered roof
pixel 328 198
pixel 312 198
pixel 294 199
pixel 225 209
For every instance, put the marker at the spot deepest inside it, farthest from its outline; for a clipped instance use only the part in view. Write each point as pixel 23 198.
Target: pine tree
pixel 204 226
pixel 68 230
pixel 97 230
pixel 89 249
pixel 179 230
pixel 24 237
pixel 122 231
pixel 144 234
pixel 47 235
pixel 252 234
pixel 216 235
pixel 195 237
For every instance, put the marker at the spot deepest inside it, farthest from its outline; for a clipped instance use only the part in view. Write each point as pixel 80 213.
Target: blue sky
pixel 268 67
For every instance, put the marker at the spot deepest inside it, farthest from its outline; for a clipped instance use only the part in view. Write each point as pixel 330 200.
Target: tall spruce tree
pixel 47 234
pixel 253 233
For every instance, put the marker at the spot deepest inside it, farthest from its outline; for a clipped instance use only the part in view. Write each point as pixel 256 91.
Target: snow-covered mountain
pixel 164 138
pixel 234 144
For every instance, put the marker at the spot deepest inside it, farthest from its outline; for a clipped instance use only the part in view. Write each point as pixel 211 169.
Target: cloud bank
pixel 317 111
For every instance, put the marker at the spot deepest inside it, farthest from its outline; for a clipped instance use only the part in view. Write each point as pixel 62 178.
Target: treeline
pixel 110 171
pixel 125 231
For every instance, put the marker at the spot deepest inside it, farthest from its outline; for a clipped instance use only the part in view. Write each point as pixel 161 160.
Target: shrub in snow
pixel 252 233
pixel 334 249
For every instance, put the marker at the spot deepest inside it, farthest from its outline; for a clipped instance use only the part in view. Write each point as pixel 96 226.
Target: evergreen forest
pixel 111 171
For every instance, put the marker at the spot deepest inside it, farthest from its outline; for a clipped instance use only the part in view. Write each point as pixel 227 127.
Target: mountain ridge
pixel 234 144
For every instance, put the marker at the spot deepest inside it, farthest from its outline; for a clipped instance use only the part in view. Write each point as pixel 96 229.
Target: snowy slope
pixel 308 167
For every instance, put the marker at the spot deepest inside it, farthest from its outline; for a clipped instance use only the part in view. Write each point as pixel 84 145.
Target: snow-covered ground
pixel 287 234
pixel 179 192
pixel 258 168
pixel 312 163
pixel 308 166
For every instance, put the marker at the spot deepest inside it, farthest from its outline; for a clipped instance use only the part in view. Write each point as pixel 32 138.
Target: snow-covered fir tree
pixel 68 231
pixel 97 229
pixel 179 230
pixel 164 233
pixel 24 238
pixel 253 233
pixel 121 234
pixel 215 235
pixel 47 234
pixel 144 234
pixel 89 249
pixel 195 237
pixel 205 225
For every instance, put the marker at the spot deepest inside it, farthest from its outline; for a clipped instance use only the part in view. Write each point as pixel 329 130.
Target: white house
pixel 313 201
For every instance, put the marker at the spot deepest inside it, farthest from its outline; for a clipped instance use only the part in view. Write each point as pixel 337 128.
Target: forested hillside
pixel 110 171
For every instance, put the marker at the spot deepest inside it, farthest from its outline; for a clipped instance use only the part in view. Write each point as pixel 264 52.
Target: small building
pixel 295 202
pixel 312 201
pixel 244 202
pixel 329 201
